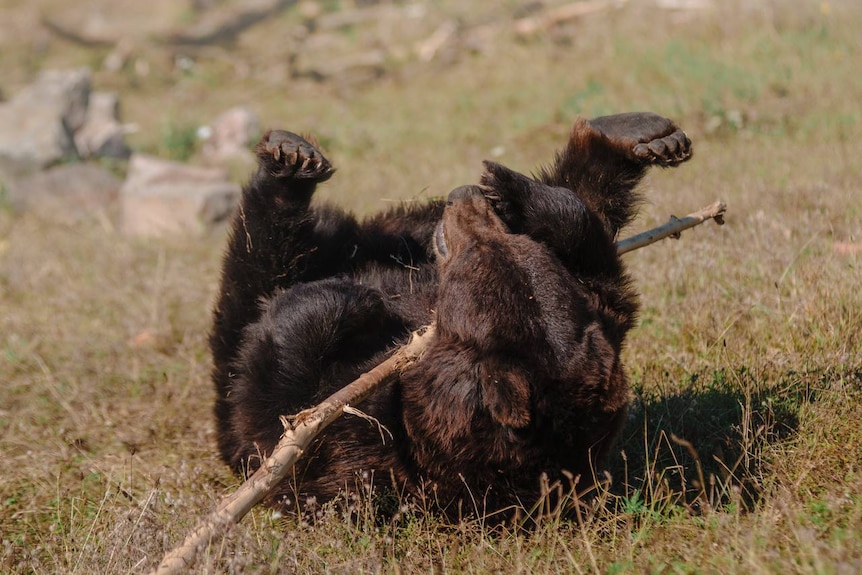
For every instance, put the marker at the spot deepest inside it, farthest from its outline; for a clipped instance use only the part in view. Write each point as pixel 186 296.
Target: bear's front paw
pixel 285 155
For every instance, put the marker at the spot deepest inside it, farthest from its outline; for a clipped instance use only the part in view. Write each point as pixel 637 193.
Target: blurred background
pixel 385 84
pixel 125 130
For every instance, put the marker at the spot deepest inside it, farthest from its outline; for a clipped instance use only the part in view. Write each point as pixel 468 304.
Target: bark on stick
pixel 714 211
pixel 298 435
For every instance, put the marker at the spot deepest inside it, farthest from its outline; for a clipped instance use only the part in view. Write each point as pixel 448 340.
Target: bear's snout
pixel 463 193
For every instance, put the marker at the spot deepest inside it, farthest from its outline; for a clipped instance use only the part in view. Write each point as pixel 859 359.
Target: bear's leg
pixel 606 157
pixel 309 341
pixel 276 240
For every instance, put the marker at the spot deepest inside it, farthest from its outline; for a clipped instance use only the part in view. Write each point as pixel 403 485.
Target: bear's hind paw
pixel 644 137
pixel 670 150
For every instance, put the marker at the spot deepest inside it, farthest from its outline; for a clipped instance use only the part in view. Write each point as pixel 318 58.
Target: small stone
pixel 67 194
pixel 102 134
pixel 161 198
pixel 230 135
pixel 38 123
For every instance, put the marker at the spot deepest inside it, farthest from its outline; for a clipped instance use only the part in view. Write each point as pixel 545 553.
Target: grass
pixel 742 450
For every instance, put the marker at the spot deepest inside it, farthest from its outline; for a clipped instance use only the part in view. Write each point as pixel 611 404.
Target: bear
pixel 522 384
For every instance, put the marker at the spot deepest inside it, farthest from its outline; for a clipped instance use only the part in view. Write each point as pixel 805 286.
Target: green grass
pixel 741 454
pixel 178 143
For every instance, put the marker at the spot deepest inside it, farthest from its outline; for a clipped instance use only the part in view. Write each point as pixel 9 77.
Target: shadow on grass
pixel 705 446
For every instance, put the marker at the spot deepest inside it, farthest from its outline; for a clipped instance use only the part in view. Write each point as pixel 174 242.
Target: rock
pixel 67 90
pixel 38 123
pixel 161 198
pixel 102 135
pixel 119 56
pixel 102 23
pixel 68 194
pixel 231 135
pixel 327 56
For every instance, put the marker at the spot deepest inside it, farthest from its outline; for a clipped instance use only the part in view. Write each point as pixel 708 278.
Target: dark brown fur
pixel 523 378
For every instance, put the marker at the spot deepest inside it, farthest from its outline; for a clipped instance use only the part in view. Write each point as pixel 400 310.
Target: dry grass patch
pixel 748 352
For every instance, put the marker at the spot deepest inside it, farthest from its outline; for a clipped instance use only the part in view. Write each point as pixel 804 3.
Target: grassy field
pixel 742 453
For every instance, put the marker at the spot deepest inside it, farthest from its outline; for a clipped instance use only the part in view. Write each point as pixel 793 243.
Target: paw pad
pixel 287 155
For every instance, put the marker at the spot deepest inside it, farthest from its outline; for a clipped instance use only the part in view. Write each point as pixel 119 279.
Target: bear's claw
pixel 286 155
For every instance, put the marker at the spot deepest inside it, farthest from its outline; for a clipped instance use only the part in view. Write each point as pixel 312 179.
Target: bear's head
pixel 496 289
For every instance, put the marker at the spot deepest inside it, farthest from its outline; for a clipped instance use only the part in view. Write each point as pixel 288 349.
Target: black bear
pixel 522 383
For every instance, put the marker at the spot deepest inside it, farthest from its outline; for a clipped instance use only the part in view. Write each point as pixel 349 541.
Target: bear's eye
pixel 440 242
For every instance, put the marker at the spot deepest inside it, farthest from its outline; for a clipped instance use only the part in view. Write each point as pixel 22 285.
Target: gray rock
pixel 66 90
pixel 102 134
pixel 104 23
pixel 37 125
pixel 68 194
pixel 162 198
pixel 328 56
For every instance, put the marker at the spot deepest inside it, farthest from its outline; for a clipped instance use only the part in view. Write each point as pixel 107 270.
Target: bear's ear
pixel 505 394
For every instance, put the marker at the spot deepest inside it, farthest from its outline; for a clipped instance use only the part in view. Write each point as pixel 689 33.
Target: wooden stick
pixel 674 227
pixel 308 424
pixel 305 427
